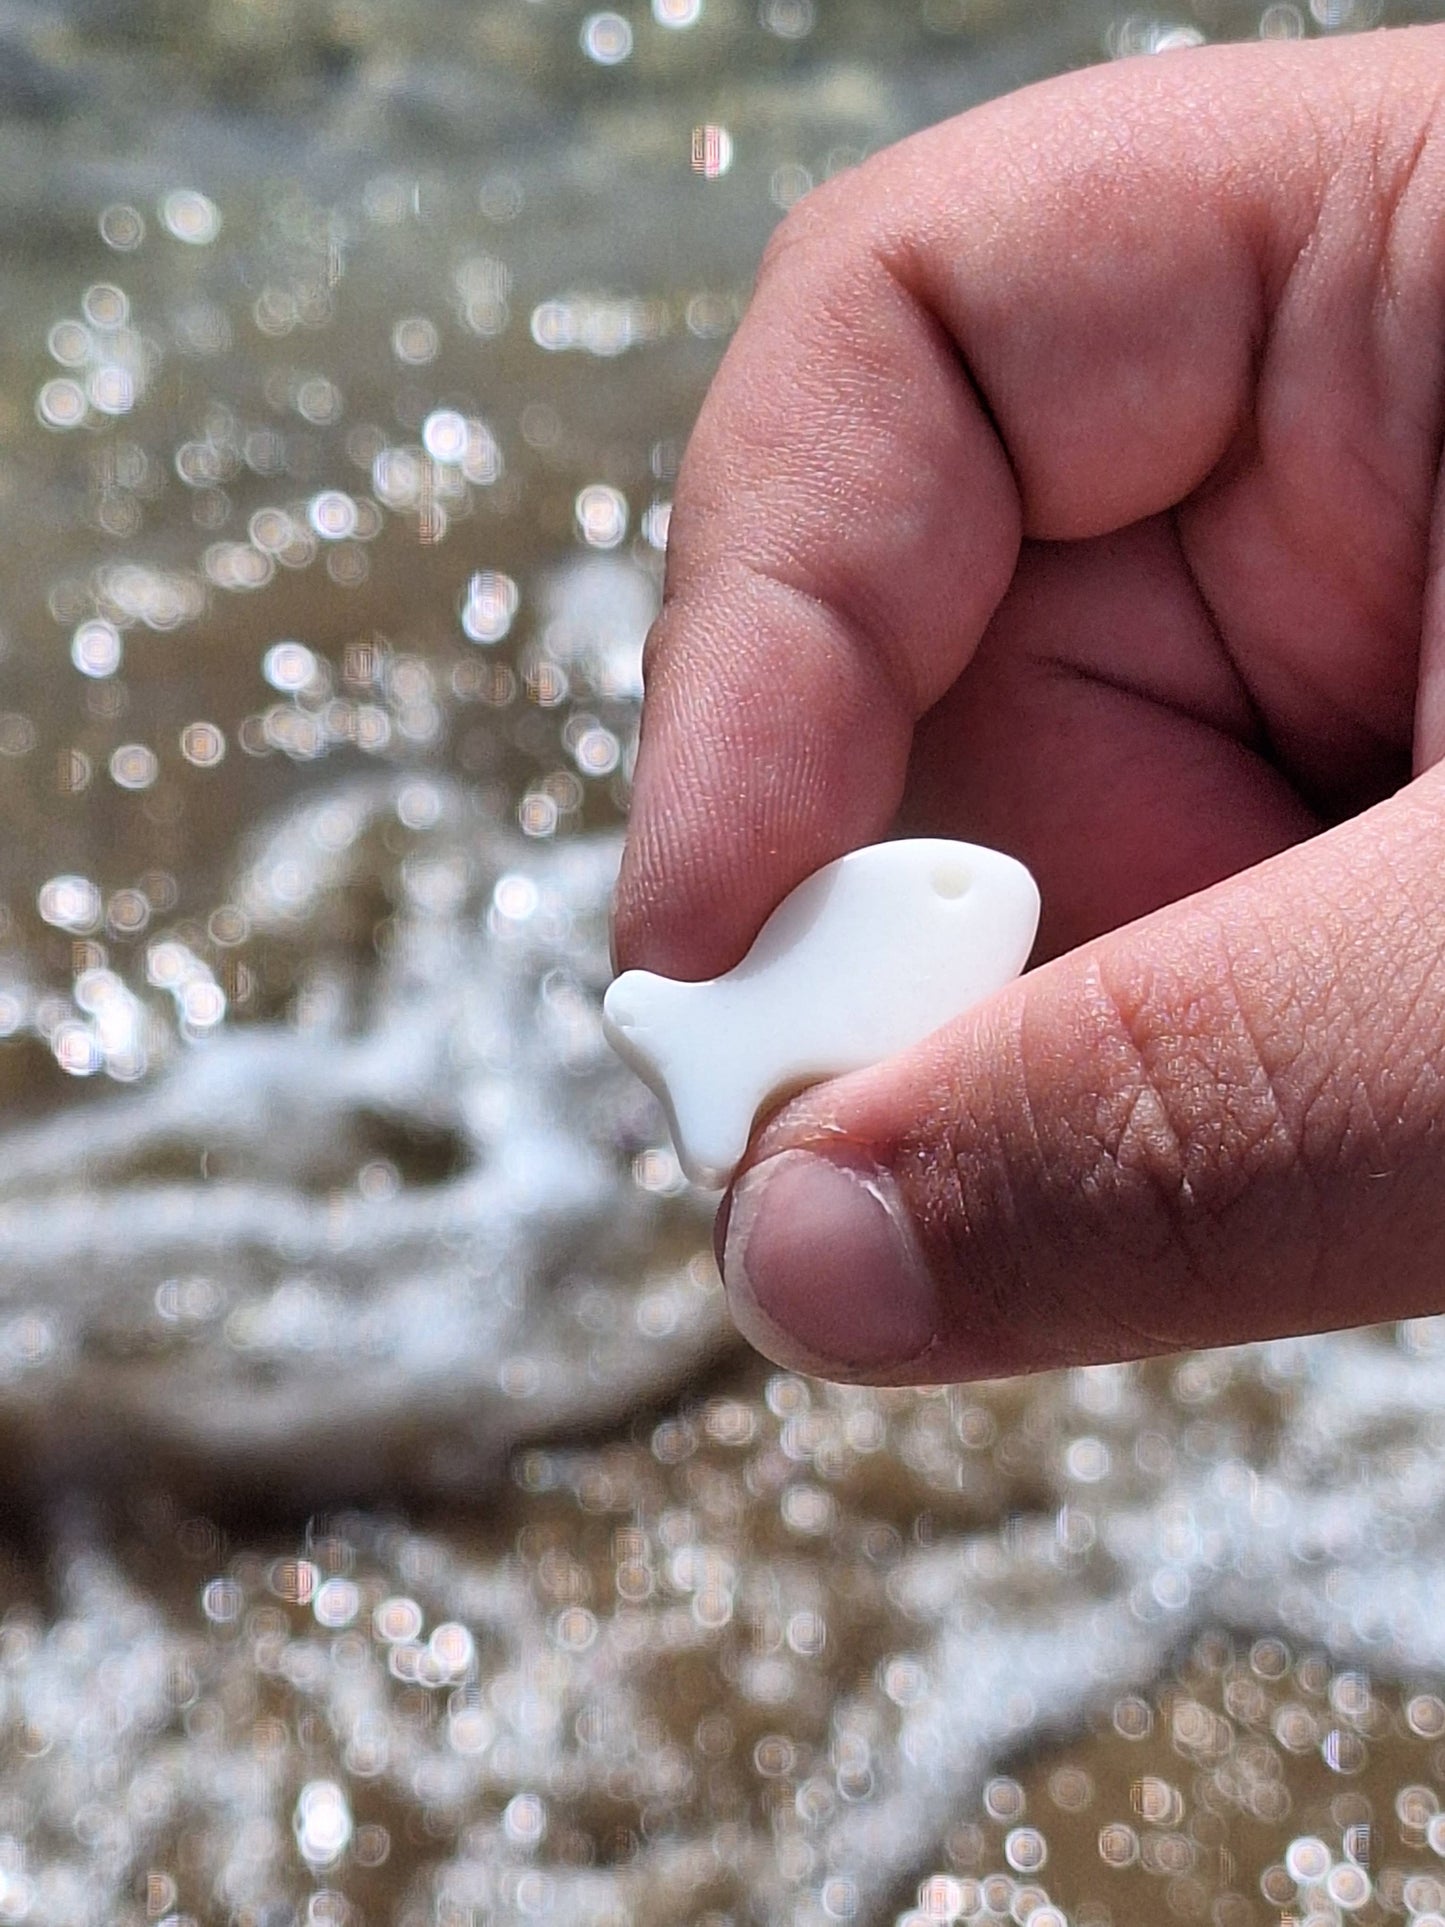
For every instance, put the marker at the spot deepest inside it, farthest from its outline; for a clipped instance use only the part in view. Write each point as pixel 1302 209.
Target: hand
pixel 1072 486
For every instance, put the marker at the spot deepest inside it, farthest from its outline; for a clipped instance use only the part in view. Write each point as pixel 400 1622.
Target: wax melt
pixel 865 957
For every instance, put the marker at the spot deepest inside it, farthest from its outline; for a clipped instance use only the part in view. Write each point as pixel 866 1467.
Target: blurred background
pixel 393 1529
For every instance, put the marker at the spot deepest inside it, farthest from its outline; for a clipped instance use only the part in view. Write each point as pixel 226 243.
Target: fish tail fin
pixel 666 1032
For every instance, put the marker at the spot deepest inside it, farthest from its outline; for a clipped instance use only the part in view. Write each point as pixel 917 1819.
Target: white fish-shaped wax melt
pixel 866 956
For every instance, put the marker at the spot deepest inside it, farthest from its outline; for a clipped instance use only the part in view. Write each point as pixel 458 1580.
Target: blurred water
pixel 395 1529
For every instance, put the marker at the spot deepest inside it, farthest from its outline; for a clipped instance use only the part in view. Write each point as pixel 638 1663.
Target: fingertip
pixel 651 926
pixel 822 1268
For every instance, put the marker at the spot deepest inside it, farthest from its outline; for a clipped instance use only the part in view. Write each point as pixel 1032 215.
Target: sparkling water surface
pixel 394 1530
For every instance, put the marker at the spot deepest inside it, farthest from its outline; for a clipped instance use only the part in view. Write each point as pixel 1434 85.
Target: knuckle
pixel 1182 1141
pixel 1212 1136
pixel 1203 1101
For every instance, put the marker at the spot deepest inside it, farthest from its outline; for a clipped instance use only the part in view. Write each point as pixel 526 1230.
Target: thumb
pixel 1224 1122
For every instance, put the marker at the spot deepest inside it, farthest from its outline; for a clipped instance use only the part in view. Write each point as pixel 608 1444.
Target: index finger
pixel 1040 319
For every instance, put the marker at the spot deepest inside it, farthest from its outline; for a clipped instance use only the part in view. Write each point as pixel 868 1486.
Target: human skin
pixel 1072 486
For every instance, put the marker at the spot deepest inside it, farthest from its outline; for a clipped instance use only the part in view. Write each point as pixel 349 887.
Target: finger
pixel 1225 1122
pixel 1046 316
pixel 1100 736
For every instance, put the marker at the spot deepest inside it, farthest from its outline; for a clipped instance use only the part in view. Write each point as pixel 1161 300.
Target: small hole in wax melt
pixel 950 879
